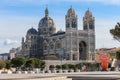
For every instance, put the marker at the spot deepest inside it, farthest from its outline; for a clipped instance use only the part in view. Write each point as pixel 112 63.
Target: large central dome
pixel 46 21
pixel 46 24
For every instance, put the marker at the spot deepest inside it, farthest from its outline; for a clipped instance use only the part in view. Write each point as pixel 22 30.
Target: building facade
pixel 4 56
pixel 71 44
pixel 12 53
pixel 110 51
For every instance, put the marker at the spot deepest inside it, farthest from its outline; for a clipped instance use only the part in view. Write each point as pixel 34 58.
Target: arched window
pixel 74 24
pixel 58 45
pixel 51 45
pixel 67 25
pixel 25 46
pixel 31 37
pixel 45 46
pixel 83 50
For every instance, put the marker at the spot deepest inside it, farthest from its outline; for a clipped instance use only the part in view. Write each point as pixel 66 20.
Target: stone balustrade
pixel 38 72
pixel 24 72
pixel 18 72
pixel 31 72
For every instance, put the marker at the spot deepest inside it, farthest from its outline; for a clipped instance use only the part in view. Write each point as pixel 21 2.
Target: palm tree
pixel 116 32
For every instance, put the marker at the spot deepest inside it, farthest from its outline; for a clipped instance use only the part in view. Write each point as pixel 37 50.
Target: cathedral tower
pixel 72 35
pixel 71 20
pixel 89 26
pixel 88 20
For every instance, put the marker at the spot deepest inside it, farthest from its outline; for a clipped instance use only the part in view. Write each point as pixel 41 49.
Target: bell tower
pixel 88 20
pixel 89 27
pixel 72 35
pixel 71 20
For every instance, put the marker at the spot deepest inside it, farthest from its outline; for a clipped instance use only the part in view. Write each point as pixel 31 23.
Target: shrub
pixel 2 64
pixel 8 64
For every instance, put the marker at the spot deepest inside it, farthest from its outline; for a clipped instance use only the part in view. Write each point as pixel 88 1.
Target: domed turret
pixel 71 11
pixel 71 19
pixel 88 14
pixel 88 21
pixel 46 24
pixel 32 31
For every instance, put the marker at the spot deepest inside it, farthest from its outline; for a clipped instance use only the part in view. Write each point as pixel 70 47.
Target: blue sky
pixel 17 16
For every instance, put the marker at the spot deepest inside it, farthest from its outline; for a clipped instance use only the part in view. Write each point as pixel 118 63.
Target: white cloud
pixel 11 42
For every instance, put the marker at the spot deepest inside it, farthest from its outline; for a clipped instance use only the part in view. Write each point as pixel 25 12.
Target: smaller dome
pixel 88 13
pixel 71 11
pixel 60 31
pixel 32 31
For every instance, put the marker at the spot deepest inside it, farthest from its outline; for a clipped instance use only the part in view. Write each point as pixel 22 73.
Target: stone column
pixel 78 55
pixel 71 53
pixel 89 42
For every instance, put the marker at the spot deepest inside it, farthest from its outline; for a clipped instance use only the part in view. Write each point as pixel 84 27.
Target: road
pixel 75 76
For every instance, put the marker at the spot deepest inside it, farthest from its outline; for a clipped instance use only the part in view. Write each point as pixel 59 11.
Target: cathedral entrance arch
pixel 82 50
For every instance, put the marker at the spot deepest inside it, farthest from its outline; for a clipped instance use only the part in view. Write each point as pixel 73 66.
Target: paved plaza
pixel 74 76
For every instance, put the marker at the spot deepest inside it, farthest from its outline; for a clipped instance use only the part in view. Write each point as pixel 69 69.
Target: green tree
pixel 118 55
pixel 37 63
pixel 18 62
pixel 64 66
pixel 78 66
pixel 42 65
pixel 2 64
pixel 8 64
pixel 71 66
pixel 116 32
pixel 51 67
pixel 29 63
pixel 34 63
pixel 58 67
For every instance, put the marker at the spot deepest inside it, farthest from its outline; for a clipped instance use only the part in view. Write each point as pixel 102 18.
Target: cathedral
pixel 71 44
